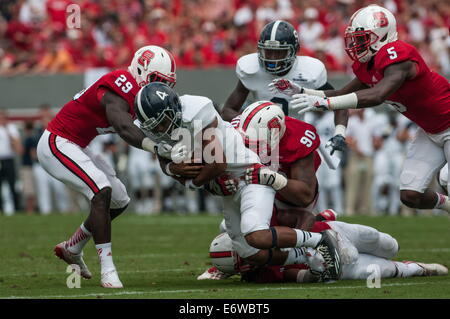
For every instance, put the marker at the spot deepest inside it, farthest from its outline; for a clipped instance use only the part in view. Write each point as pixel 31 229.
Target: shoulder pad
pixel 313 70
pixel 197 107
pixel 247 65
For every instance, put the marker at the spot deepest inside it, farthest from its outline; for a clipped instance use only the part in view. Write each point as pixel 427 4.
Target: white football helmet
pixel 369 29
pixel 222 255
pixel 153 64
pixel 262 125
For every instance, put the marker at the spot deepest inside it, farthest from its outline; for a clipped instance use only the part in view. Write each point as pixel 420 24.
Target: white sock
pixel 408 269
pixel 295 256
pixel 79 239
pixel 442 202
pixel 105 254
pixel 307 239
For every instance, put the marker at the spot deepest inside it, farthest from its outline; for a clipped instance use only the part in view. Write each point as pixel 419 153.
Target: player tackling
pixel 104 107
pixel 392 71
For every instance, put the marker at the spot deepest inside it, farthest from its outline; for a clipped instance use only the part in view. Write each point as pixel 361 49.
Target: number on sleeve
pixel 308 139
pixel 392 53
pixel 122 82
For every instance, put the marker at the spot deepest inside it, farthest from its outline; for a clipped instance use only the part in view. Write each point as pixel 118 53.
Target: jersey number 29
pixel 122 82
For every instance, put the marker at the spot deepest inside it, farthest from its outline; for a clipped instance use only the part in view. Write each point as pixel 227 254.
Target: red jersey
pixel 425 99
pixel 299 140
pixel 83 118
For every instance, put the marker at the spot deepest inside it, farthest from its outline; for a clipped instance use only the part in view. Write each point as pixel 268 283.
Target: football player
pixel 277 58
pixel 392 71
pixel 366 257
pixel 166 117
pixel 104 107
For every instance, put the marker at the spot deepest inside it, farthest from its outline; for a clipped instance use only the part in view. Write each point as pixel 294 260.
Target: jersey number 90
pixel 308 139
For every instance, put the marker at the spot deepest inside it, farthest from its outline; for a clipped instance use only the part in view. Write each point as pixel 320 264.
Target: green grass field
pixel 161 256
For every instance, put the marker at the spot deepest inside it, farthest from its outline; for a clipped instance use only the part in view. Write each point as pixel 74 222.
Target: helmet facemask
pixel 161 127
pixel 358 44
pixel 276 58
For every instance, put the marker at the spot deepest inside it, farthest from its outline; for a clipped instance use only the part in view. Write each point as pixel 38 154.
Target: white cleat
pixel 110 279
pixel 63 253
pixel 214 274
pixel 433 269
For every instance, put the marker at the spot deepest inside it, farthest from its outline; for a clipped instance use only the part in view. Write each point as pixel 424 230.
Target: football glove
pixel 302 103
pixel 337 143
pixel 222 186
pixel 260 174
pixel 284 86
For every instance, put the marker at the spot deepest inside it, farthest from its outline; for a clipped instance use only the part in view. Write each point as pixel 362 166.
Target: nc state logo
pixel 145 58
pixel 380 19
pixel 274 123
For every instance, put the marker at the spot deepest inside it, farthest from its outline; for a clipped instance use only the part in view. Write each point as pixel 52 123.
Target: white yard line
pixel 325 287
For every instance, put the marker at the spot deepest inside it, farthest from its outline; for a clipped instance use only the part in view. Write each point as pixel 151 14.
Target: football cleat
pixel 328 248
pixel 63 253
pixel 110 279
pixel 214 274
pixel 431 269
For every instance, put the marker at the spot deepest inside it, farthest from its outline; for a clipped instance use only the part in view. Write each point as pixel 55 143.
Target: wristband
pixel 340 130
pixel 189 184
pixel 168 170
pixel 280 182
pixel 343 102
pixel 148 145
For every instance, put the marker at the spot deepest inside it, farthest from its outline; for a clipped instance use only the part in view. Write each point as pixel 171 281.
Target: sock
pixel 78 240
pixel 442 202
pixel 307 239
pixel 408 269
pixel 295 256
pixel 105 254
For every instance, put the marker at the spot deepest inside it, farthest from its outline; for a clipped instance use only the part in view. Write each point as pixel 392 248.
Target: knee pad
pixel 388 246
pixel 368 235
pixel 118 203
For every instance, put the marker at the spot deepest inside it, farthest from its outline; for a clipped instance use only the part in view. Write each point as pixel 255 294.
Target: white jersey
pixel 306 71
pixel 197 113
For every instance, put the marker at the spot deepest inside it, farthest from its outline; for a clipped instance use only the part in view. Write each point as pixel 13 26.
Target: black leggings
pixel 8 174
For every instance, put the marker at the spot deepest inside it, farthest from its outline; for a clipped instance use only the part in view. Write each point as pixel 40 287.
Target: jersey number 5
pixel 308 139
pixel 122 82
pixel 392 53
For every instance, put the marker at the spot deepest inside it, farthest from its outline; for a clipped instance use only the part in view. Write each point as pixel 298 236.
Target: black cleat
pixel 328 248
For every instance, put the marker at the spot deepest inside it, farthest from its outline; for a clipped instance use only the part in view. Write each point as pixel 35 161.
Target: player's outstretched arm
pixel 119 117
pixel 234 102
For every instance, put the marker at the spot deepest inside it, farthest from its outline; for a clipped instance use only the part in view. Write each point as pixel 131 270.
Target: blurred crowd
pixel 366 182
pixel 35 36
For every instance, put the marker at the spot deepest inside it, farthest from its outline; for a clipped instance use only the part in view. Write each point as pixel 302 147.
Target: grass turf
pixel 161 256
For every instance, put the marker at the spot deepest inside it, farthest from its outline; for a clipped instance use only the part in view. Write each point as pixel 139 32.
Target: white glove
pixel 179 153
pixel 164 150
pixel 302 103
pixel 285 86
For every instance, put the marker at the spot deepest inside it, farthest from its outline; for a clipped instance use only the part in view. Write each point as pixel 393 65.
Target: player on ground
pixel 392 71
pixel 369 252
pixel 277 58
pixel 166 117
pixel 104 107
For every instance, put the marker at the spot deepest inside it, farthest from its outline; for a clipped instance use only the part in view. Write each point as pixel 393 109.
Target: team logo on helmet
pixel 145 58
pixel 381 19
